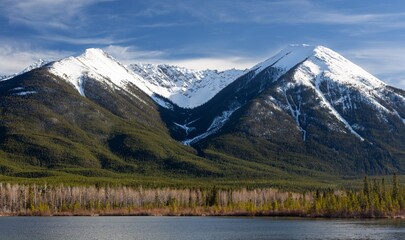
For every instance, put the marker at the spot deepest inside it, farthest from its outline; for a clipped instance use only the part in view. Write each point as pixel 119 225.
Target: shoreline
pixel 144 213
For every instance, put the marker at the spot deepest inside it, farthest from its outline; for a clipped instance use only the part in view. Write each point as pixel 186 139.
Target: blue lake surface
pixel 193 228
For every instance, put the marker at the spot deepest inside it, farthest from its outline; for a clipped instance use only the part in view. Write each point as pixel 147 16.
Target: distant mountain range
pixel 307 111
pixel 33 66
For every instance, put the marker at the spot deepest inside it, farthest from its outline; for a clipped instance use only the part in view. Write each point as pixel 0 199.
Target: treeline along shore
pixel 376 199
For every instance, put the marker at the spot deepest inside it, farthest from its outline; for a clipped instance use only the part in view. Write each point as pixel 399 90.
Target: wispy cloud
pixel 218 63
pixel 296 12
pixel 384 60
pixel 129 55
pixel 166 24
pixel 58 14
pixel 274 12
pixel 77 40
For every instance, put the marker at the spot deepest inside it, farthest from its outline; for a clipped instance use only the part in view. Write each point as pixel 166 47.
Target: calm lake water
pixel 193 228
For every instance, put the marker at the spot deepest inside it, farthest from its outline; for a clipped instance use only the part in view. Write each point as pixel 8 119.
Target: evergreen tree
pixel 366 186
pixel 395 187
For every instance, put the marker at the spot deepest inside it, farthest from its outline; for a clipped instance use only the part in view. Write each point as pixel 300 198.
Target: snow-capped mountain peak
pixel 319 60
pixel 339 68
pixel 184 87
pixel 313 65
pixel 286 58
pixel 335 80
pixel 95 64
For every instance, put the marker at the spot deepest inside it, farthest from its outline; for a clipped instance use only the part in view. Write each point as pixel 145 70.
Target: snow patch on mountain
pixel 296 113
pixel 215 126
pixel 162 102
pixel 335 113
pixel 21 91
pixel 185 87
pixel 25 93
pixel 185 127
pixel 399 116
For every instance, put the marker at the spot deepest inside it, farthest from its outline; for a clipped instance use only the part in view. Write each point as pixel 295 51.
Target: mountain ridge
pixel 305 111
pixel 168 85
pixel 185 87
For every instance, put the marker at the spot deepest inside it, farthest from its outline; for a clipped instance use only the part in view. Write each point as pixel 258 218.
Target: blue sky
pixel 200 34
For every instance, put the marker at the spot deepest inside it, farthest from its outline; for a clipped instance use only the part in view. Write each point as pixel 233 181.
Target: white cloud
pixel 128 55
pixel 223 63
pixel 384 60
pixel 83 40
pixel 14 57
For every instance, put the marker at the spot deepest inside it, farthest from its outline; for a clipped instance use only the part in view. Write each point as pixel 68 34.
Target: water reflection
pixel 196 228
